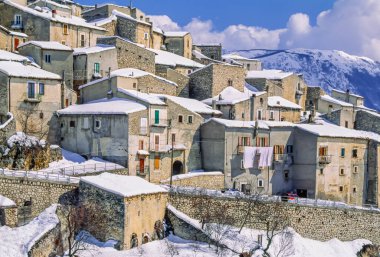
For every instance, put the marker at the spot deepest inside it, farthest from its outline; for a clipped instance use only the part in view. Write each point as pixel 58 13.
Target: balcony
pixel 17 25
pixel 98 74
pixel 160 123
pixel 142 171
pixel 164 148
pixel 324 159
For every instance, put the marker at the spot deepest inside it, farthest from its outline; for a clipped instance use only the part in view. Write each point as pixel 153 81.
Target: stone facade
pixel 319 223
pixel 205 180
pixel 211 51
pixel 181 45
pixel 8 216
pixel 131 55
pixel 42 194
pixel 212 79
pixel 43 29
pixel 312 96
pixel 10 41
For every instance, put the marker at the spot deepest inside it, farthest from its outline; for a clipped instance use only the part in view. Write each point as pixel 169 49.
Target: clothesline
pixel 261 154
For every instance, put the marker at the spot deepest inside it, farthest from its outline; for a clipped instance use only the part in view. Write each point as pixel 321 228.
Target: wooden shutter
pixel 157 162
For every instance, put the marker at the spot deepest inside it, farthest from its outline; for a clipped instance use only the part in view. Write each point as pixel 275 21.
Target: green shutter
pixel 156 116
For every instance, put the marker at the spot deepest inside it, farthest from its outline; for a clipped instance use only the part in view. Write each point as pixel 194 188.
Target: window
pixel 143 126
pixel 47 58
pixel 286 174
pixel 31 90
pixel 354 190
pixel 156 117
pixel 244 141
pixel 242 115
pixel 230 83
pixel 278 149
pixel 260 183
pixel 341 172
pixel 271 115
pixel 96 67
pixel 289 149
pixel 86 124
pixel 190 119
pixel 346 124
pixel 41 88
pixel 248 66
pixel 141 144
pixel 66 102
pixel 259 114
pixel 173 138
pixel 18 19
pixel 72 124
pixel 63 42
pixel 323 151
pixel 262 141
pixel 321 171
pixel 355 153
pixel 65 29
pixel 261 101
pixel 146 36
pixel 134 85
pixel 356 169
pixel 341 189
pixel 157 162
pixel 41 115
pixel 212 56
pixel 82 41
pixel 342 152
pixel 180 118
pixel 98 124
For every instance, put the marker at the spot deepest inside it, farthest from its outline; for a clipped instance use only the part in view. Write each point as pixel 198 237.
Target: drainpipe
pixel 9 94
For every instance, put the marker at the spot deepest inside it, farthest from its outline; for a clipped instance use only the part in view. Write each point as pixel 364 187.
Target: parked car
pixel 288 197
pixel 231 191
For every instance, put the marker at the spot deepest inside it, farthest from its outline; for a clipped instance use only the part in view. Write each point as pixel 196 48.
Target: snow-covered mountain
pixel 326 68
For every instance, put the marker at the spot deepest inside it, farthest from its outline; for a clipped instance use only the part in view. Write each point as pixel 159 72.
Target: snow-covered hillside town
pixel 119 137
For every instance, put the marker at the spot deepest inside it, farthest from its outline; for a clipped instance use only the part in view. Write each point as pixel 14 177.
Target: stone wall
pixel 207 181
pixel 41 193
pixel 211 51
pixel 8 130
pixel 130 55
pixel 319 223
pixel 312 96
pixel 48 244
pixel 367 121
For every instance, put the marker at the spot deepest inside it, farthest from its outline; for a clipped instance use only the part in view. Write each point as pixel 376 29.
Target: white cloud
pixel 350 25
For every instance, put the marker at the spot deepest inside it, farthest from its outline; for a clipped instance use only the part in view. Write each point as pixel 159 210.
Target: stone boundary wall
pixel 319 223
pixel 49 243
pixel 207 181
pixel 117 172
pixel 42 193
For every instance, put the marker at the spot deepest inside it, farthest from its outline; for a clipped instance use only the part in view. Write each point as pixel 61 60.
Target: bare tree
pixel 369 250
pixel 170 250
pixel 32 121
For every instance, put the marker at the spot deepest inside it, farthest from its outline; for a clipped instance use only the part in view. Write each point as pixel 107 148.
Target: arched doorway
pixel 177 168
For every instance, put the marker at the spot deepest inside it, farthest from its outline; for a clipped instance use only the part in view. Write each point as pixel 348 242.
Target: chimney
pixel 252 106
pixel 53 13
pixel 96 6
pixel 214 104
pixel 348 95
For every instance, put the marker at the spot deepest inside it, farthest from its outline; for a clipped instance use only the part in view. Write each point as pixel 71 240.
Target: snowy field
pixel 16 242
pixel 236 242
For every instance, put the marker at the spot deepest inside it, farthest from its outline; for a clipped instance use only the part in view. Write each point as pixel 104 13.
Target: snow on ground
pixel 16 242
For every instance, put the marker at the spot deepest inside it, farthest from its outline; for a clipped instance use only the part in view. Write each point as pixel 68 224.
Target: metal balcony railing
pixel 324 159
pixel 167 147
pixel 17 24
pixel 160 122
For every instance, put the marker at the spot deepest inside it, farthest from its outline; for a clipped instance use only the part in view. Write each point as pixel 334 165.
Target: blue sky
pixel 271 14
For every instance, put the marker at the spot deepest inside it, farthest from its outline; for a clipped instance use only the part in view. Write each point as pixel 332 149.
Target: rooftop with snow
pixel 93 49
pixel 20 70
pixel 125 186
pixel 231 96
pixel 280 102
pixel 48 45
pixel 268 74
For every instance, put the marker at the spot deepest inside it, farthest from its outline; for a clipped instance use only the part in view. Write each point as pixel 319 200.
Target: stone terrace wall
pixel 42 193
pixel 214 182
pixel 367 121
pixel 319 223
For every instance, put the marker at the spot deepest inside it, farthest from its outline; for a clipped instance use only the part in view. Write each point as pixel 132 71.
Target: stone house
pixel 312 96
pixel 236 105
pixel 43 24
pixel 180 43
pixel 60 9
pixel 356 100
pixel 333 163
pixel 288 85
pixel 133 207
pixel 131 55
pixel 280 109
pixel 51 56
pixel 10 40
pixel 33 96
pixel 132 79
pixel 91 63
pixel 166 60
pixel 223 146
pixel 211 51
pixel 201 58
pixel 247 63
pixel 212 79
pixel 158 38
pixel 98 12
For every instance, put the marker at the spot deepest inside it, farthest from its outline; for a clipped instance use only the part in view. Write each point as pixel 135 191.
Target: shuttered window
pixel 157 162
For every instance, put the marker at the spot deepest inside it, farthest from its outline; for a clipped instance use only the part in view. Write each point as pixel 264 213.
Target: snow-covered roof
pixel 330 99
pixel 262 124
pixel 175 33
pixel 49 45
pixel 93 49
pixel 147 98
pixel 351 94
pixel 13 33
pixel 278 101
pixel 192 104
pixel 331 130
pixel 129 73
pixel 158 30
pixel 52 3
pixel 126 186
pixel 268 74
pixel 6 202
pixel 115 14
pixel 17 69
pixel 117 106
pixel 129 17
pixel 237 57
pixel 103 21
pixel 231 96
pixel 170 59
pixel 194 174
pixel 73 20
pixel 9 56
